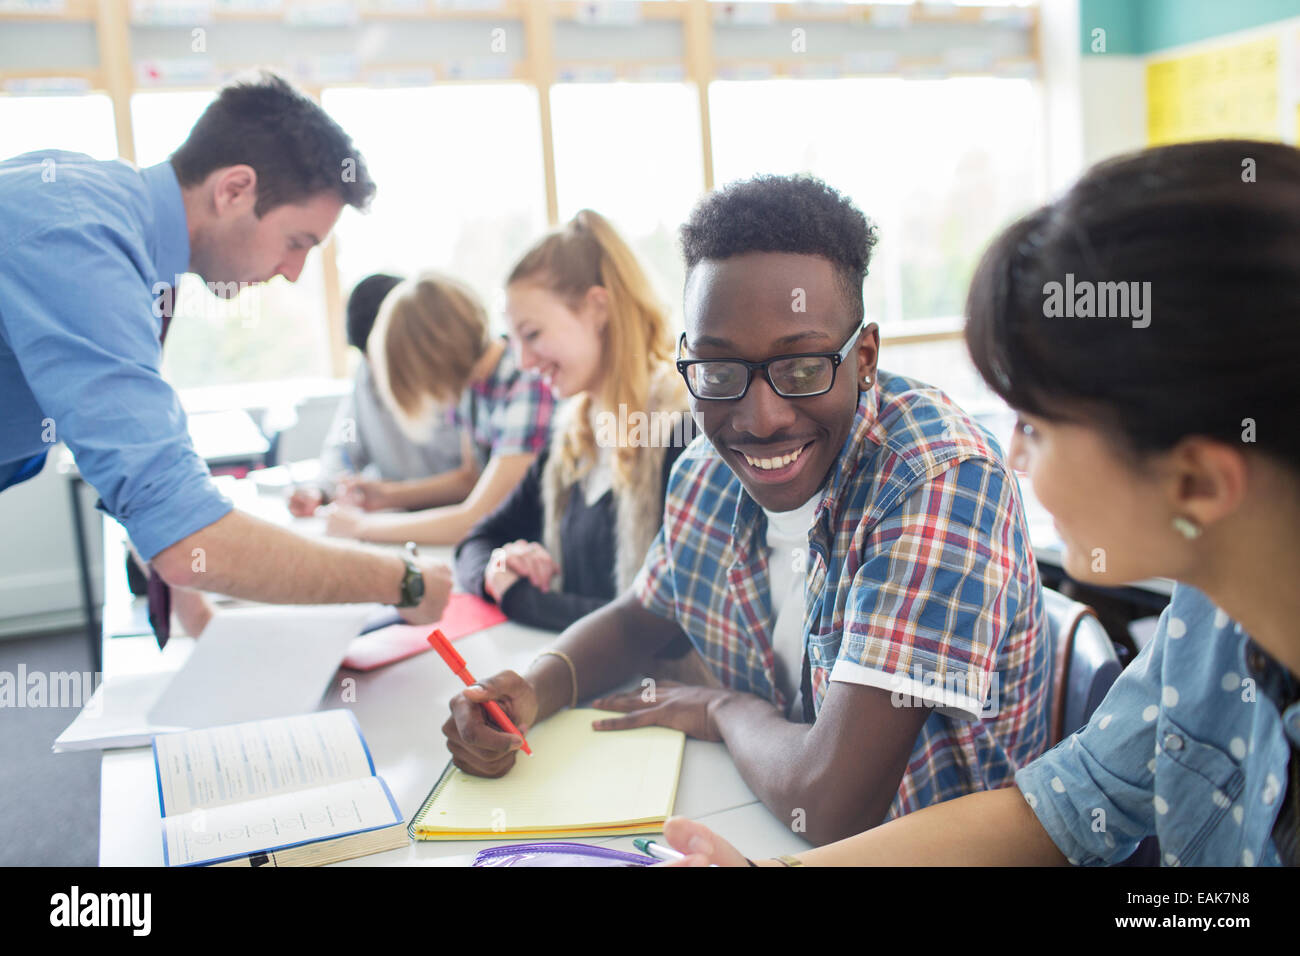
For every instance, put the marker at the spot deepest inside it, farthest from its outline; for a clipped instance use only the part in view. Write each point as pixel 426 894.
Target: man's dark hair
pixel 363 305
pixel 294 146
pixel 798 214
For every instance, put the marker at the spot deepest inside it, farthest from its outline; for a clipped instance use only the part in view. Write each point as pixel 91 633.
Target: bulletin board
pixel 1228 92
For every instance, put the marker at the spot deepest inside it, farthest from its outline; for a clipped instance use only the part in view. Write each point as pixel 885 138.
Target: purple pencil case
pixel 558 854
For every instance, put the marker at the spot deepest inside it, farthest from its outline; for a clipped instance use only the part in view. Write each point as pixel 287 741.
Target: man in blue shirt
pixel 89 257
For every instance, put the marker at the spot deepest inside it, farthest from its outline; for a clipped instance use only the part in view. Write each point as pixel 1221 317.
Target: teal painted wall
pixel 1145 26
pixel 1119 18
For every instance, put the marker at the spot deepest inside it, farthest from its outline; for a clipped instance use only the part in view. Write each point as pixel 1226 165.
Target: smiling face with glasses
pixel 774 390
pixel 791 376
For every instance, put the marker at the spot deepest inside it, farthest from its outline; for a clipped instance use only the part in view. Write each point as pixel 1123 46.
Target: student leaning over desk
pixel 830 549
pixel 434 357
pixel 366 436
pixel 1168 445
pixel 574 532
pixel 89 256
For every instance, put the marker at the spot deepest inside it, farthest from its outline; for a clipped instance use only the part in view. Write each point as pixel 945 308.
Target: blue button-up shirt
pixel 1192 744
pixel 83 249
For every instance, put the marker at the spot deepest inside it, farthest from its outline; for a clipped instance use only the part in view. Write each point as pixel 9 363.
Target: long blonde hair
pixel 586 252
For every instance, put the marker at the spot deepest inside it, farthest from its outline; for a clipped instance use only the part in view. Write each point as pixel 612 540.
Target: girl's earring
pixel 1188 528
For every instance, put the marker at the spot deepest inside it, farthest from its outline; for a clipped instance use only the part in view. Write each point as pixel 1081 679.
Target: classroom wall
pixel 40 588
pixel 1112 97
pixel 1171 23
pixel 1120 24
pixel 1157 71
pixel 1113 105
pixel 1139 27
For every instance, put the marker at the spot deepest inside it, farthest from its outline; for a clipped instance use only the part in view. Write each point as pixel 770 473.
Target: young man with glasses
pixel 847 551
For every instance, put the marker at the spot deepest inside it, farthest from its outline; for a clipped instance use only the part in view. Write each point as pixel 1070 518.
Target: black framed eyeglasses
pixel 802 375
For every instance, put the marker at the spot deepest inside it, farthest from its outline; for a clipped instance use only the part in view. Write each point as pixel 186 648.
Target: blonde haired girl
pixel 574 533
pixel 433 355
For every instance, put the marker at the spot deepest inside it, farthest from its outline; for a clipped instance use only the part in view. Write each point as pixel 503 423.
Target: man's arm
pixel 845 769
pixel 252 559
pixel 835 777
pixel 838 775
pixel 90 353
pixel 606 648
pixel 1048 818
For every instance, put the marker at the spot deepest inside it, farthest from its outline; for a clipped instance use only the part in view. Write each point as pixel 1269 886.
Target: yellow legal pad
pixel 579 782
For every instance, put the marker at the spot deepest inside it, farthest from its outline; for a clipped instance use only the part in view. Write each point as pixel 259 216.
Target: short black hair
pixel 363 305
pixel 293 145
pixel 797 214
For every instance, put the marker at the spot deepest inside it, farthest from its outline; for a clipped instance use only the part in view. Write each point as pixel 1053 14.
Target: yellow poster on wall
pixel 1231 91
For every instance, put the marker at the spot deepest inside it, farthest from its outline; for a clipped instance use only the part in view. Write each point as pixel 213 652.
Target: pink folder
pixel 465 615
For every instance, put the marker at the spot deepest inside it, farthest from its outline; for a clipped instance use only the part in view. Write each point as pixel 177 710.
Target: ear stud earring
pixel 1188 528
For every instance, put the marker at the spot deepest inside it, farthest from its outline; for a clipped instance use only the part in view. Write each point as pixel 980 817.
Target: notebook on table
pixel 393 640
pixel 579 782
pixel 295 791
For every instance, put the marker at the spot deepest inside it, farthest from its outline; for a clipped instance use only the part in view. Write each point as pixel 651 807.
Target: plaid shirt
pixel 920 581
pixel 508 413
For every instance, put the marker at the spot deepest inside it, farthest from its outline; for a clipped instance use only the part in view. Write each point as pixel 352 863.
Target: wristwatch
pixel 412 580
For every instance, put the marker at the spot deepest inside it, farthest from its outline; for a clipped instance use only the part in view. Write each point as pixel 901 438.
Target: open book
pixel 579 782
pixel 251 663
pixel 293 791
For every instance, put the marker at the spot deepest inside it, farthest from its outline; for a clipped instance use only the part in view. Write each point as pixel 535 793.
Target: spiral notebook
pixel 578 783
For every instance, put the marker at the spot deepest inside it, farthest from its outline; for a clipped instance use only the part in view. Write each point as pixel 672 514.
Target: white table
pixel 401 709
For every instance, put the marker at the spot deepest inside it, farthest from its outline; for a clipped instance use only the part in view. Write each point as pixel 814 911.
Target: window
pixel 938 188
pixel 631 152
pixel 81 124
pixel 460 184
pixel 275 331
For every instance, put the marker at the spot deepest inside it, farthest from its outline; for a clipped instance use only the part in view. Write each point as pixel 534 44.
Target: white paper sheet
pixel 250 664
pixel 260 662
pixel 275 822
pixel 225 765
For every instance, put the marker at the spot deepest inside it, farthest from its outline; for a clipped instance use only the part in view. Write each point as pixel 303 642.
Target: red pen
pixel 458 667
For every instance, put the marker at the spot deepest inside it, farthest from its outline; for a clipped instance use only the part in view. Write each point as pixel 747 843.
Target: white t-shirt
pixel 787 569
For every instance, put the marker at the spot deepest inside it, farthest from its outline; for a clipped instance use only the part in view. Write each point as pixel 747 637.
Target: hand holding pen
pixel 458 667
